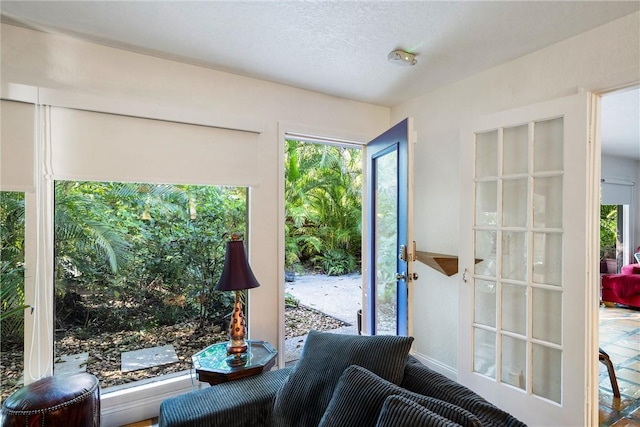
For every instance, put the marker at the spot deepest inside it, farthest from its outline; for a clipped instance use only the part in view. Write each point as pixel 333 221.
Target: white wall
pixel 605 57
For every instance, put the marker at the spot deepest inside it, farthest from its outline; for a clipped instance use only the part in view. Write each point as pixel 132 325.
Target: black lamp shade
pixel 236 274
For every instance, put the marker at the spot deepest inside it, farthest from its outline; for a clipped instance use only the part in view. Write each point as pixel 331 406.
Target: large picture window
pixel 110 202
pixel 135 267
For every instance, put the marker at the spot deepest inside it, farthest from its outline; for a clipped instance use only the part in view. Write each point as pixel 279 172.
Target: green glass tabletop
pixel 214 357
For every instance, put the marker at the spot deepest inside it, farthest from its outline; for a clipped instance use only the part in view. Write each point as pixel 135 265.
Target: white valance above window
pixel 616 192
pixel 95 146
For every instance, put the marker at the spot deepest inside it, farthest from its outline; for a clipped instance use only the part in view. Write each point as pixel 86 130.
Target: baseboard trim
pixel 125 405
pixel 437 366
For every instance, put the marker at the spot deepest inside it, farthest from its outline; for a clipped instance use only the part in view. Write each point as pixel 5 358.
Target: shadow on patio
pixel 336 296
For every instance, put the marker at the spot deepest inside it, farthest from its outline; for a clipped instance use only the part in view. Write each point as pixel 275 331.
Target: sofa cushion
pixel 420 379
pixel 630 269
pixel 306 394
pixel 244 402
pixel 360 395
pixel 400 411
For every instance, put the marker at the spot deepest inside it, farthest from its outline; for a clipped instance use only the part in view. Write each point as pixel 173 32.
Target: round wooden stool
pixel 65 400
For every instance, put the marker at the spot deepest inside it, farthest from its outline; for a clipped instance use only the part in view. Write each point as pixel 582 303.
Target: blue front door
pixel 387 238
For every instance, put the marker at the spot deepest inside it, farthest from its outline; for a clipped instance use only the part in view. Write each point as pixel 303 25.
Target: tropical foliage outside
pixel 11 268
pixel 323 191
pixel 128 258
pixel 608 231
pixel 148 255
pixel 12 298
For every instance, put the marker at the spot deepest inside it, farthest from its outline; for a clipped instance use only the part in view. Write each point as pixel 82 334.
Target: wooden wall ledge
pixel 445 264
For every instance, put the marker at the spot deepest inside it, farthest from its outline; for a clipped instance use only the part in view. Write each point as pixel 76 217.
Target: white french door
pixel 526 303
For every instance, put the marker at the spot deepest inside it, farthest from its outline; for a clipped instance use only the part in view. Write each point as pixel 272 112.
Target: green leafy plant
pixel 335 262
pixel 323 207
pixel 608 231
pixel 12 304
pixel 147 254
pixel 12 298
pixel 290 301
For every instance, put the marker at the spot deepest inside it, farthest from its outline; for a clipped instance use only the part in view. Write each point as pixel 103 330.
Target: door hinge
pixel 407 255
pixel 403 253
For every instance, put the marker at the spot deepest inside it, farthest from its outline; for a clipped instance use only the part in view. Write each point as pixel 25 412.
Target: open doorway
pixel 323 237
pixel 619 329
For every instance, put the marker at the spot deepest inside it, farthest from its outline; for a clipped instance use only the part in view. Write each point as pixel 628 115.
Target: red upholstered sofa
pixel 623 288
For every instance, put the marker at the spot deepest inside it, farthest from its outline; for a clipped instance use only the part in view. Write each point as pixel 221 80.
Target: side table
pixel 211 365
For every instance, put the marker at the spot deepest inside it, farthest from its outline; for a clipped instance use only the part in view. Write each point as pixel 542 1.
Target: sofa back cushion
pixel 360 395
pixel 420 379
pixel 304 397
pixel 401 411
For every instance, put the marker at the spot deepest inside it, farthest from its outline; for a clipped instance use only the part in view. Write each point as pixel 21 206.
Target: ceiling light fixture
pixel 401 57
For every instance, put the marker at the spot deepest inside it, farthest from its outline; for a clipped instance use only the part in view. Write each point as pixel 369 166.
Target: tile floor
pixel 620 339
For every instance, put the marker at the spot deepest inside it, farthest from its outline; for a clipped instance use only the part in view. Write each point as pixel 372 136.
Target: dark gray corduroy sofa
pixel 330 387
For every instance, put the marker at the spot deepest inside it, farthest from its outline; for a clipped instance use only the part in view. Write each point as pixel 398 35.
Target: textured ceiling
pixel 335 47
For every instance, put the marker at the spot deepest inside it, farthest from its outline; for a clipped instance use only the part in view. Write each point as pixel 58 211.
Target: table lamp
pixel 236 276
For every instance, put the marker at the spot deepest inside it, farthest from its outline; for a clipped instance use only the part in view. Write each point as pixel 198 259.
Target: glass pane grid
pixel 547 230
pixel 484 352
pixel 486 153
pixel 548 138
pixel 515 335
pixel 485 249
pixel 514 308
pixel 513 361
pixel 516 229
pixel 547 174
pixel 485 302
pixel 386 224
pixel 514 282
pixel 528 235
pixel 547 315
pixel 547 249
pixel 486 203
pixel 515 149
pixel 515 202
pixel 546 344
pixel 515 255
pixel 546 366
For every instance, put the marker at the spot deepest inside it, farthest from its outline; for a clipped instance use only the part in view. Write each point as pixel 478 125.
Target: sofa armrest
pixel 244 402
